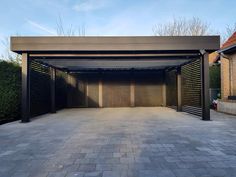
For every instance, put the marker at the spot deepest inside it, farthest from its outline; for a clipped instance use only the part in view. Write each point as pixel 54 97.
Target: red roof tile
pixel 231 41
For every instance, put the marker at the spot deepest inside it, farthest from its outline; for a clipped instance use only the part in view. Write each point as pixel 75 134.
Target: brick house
pixel 227 103
pixel 214 57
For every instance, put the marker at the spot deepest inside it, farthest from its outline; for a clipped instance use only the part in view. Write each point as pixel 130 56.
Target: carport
pixel 73 72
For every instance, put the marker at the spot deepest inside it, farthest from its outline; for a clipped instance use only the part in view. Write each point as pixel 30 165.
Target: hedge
pixel 10 90
pixel 214 72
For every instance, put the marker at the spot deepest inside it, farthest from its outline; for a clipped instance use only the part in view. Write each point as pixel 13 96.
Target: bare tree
pixel 70 31
pixel 182 27
pixel 8 54
pixel 229 31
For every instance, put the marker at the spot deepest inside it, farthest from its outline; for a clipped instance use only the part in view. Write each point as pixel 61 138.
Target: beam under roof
pixel 109 64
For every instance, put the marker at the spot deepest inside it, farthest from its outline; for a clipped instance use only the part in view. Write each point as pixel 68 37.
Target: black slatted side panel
pixel 39 89
pixel 191 88
pixel 61 90
pixel 171 93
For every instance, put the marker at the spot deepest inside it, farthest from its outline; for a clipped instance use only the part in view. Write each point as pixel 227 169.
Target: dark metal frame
pixel 205 86
pixel 25 101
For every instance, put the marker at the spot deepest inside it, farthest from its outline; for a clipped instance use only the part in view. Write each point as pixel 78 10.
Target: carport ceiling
pixel 110 64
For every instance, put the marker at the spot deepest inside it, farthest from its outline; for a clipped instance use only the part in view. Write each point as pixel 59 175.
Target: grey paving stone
pixel 87 167
pixel 147 173
pixel 164 173
pixel 127 160
pixel 21 174
pixel 104 167
pixel 183 173
pixel 120 167
pixel 78 155
pixel 111 174
pixel 93 174
pixel 172 159
pixel 36 174
pixel 198 172
pixel 56 174
pixel 142 159
pixel 217 172
pixel 75 174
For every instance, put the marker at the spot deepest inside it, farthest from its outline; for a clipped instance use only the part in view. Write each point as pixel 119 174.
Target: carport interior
pixel 72 72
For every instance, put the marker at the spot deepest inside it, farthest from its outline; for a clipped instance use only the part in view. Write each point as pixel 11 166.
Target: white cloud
pixel 41 27
pixel 90 5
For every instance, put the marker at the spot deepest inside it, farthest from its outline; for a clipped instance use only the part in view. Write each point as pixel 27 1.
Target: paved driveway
pixel 119 142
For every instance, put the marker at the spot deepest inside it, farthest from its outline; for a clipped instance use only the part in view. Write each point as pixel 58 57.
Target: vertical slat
pixel 179 91
pixel 100 93
pixel 25 88
pixel 132 93
pixel 205 87
pixel 93 91
pixel 53 88
pixel 87 93
pixel 68 82
pixel 164 89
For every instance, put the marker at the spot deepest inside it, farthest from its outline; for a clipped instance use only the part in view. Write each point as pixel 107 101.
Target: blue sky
pixel 108 17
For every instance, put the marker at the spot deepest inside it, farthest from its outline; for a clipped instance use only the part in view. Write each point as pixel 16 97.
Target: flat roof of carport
pixel 124 53
pixel 143 43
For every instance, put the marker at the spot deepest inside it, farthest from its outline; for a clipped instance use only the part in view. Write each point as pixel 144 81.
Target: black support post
pixel 205 86
pixel 179 91
pixel 53 88
pixel 25 95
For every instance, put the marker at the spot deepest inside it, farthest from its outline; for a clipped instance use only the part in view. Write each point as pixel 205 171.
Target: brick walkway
pixel 120 142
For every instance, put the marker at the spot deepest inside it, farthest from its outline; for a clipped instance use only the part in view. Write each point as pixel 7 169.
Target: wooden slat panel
pixel 148 89
pixel 116 91
pixel 93 92
pixel 76 91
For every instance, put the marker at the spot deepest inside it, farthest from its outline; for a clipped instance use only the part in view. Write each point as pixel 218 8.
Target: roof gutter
pixel 222 51
pixel 227 48
pixel 225 56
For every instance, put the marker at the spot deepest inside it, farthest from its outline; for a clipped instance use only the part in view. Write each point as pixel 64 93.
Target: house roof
pixel 231 41
pixel 230 45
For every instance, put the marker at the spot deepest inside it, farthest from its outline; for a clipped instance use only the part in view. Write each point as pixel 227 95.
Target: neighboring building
pixel 214 58
pixel 227 103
